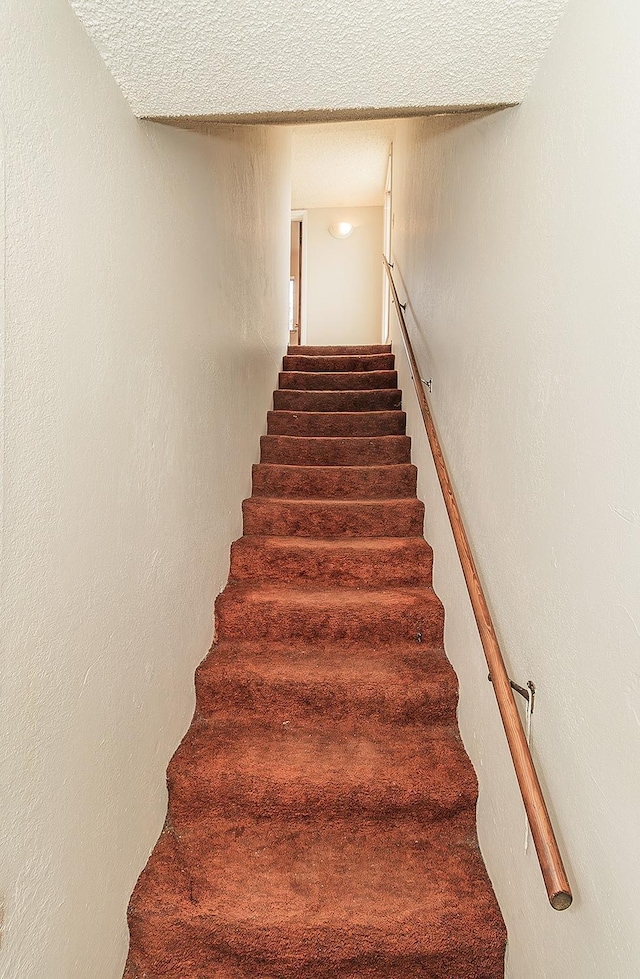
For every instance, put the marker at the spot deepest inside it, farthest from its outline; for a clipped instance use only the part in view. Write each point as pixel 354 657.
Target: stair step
pixel 381 399
pixel 289 769
pixel 331 351
pixel 338 381
pixel 377 616
pixel 336 423
pixel 333 518
pixel 335 482
pixel 412 684
pixel 344 563
pixel 339 900
pixel 340 363
pixel 321 805
pixel 335 451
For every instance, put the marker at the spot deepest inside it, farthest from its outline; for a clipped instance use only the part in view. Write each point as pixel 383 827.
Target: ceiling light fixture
pixel 341 229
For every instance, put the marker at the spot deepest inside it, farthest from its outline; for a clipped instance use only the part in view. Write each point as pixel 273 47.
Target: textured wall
pixel 516 242
pixel 344 277
pixel 225 56
pixel 145 321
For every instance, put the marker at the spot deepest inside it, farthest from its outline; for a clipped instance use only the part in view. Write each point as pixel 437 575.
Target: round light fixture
pixel 341 229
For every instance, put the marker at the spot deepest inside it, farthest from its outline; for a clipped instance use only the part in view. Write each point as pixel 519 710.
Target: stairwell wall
pixel 516 244
pixel 344 276
pixel 146 317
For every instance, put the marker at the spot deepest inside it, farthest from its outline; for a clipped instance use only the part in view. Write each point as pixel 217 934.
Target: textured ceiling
pixel 339 164
pixel 230 57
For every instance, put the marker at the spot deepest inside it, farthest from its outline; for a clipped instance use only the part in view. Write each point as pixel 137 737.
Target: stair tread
pixel 345 469
pixel 275 764
pixel 357 415
pixel 305 502
pixel 397 684
pixel 338 362
pixel 339 562
pixel 338 380
pixel 375 399
pixel 278 749
pixel 269 594
pixel 360 664
pixel 335 450
pixel 338 881
pixel 395 517
pixel 327 545
pixel 340 438
pixel 330 350
pixel 265 611
pixel 387 481
pixel 355 377
pixel 336 423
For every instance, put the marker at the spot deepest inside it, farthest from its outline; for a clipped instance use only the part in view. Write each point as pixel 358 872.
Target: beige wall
pixel 516 240
pixel 146 315
pixel 344 277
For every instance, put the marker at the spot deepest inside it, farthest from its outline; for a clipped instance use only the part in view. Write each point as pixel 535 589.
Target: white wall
pixel 344 277
pixel 146 304
pixel 516 239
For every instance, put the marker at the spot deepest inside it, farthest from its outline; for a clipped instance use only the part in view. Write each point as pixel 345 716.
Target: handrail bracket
pixel 528 693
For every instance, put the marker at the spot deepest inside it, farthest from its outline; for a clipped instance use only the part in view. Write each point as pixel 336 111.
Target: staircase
pixel 321 818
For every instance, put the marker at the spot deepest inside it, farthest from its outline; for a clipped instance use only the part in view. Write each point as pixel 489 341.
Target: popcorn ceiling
pixel 217 57
pixel 339 164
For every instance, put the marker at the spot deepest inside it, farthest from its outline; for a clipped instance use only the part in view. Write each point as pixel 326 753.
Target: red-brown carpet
pixel 321 818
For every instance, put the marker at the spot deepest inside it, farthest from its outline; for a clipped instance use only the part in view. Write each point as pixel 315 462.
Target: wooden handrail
pixel 542 833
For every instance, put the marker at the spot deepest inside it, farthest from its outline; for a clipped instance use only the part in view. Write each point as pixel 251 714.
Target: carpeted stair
pixel 321 818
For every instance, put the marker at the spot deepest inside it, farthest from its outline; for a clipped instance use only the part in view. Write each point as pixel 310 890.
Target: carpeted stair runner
pixel 321 819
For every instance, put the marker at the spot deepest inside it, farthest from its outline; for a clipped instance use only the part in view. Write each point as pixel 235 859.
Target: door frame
pixel 386 245
pixel 302 216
